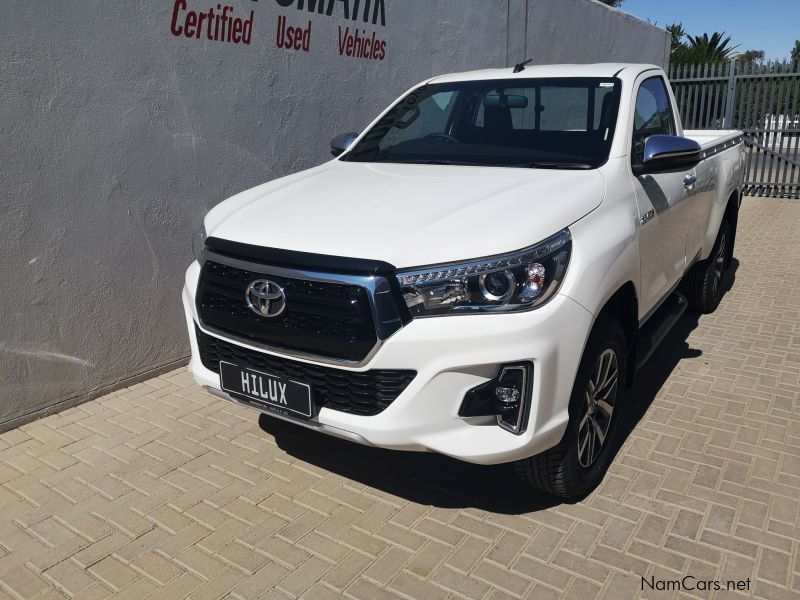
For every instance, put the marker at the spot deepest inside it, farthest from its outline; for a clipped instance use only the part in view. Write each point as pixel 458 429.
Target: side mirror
pixel 663 153
pixel 342 142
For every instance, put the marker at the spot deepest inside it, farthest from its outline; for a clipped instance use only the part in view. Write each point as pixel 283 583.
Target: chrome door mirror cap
pixel 663 153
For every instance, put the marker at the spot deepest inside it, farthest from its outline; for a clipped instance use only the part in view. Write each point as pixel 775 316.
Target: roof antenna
pixel 520 67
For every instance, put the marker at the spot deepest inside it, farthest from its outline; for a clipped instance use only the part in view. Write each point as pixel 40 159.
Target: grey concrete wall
pixel 118 136
pixel 563 31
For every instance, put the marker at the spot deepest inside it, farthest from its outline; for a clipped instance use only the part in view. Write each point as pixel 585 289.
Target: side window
pixel 653 115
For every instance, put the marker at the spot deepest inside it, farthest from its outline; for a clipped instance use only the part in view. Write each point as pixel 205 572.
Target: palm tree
pixel 711 49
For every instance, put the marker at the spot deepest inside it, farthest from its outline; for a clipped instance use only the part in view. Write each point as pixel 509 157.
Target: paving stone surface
pixel 162 491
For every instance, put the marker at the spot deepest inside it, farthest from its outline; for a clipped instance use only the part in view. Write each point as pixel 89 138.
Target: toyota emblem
pixel 265 298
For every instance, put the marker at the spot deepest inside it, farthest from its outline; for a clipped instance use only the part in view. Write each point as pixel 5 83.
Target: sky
pixel 769 25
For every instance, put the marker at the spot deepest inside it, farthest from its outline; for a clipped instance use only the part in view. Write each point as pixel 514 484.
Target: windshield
pixel 545 123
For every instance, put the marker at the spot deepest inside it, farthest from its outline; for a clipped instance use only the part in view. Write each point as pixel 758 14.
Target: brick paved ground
pixel 160 490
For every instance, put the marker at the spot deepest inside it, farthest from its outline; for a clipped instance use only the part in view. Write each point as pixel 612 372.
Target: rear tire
pixel 578 463
pixel 702 285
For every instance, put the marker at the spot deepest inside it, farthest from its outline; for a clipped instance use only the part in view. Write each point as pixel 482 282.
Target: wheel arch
pixel 623 307
pixel 732 214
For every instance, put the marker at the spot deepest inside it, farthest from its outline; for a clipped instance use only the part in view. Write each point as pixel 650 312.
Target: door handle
pixel 689 180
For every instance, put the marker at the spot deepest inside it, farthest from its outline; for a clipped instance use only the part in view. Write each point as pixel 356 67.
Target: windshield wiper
pixel 446 162
pixel 439 161
pixel 555 165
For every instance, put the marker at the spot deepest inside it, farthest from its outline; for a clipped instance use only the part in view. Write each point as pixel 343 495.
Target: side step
pixel 658 326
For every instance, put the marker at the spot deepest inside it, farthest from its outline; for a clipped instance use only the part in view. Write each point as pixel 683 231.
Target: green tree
pixel 714 48
pixel 795 55
pixel 704 49
pixel 677 32
pixel 750 57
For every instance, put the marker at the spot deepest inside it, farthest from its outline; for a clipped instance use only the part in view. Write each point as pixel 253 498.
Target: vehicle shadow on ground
pixel 425 478
pixel 435 480
pixel 654 373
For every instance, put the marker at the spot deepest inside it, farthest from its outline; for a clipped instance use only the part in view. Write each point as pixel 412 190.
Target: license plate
pixel 266 390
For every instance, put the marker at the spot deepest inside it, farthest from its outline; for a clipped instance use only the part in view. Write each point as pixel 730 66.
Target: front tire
pixel 578 463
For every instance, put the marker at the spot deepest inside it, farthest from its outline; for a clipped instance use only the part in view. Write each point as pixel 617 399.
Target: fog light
pixel 506 397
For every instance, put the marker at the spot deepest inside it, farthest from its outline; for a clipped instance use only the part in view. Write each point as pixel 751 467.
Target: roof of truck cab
pixel 534 71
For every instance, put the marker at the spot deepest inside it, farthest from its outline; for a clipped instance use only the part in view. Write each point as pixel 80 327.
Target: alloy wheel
pixel 600 398
pixel 719 263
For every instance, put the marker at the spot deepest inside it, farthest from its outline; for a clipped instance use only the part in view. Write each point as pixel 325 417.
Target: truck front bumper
pixel 451 355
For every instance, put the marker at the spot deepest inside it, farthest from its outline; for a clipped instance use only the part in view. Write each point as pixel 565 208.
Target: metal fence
pixel 763 100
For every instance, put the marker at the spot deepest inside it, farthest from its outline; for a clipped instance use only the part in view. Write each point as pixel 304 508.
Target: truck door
pixel 665 212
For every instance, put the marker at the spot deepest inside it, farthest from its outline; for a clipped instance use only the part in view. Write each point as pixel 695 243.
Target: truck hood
pixel 408 215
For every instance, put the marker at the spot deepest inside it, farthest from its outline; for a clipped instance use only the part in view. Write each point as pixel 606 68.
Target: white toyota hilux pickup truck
pixel 479 273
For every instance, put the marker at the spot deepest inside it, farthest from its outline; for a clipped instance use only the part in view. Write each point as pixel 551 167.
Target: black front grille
pixel 321 318
pixel 367 393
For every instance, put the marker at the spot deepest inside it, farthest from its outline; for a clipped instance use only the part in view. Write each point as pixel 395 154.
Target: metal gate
pixel 761 100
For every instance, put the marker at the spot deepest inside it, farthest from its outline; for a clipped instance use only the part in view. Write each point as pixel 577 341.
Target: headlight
pixel 198 243
pixel 510 282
